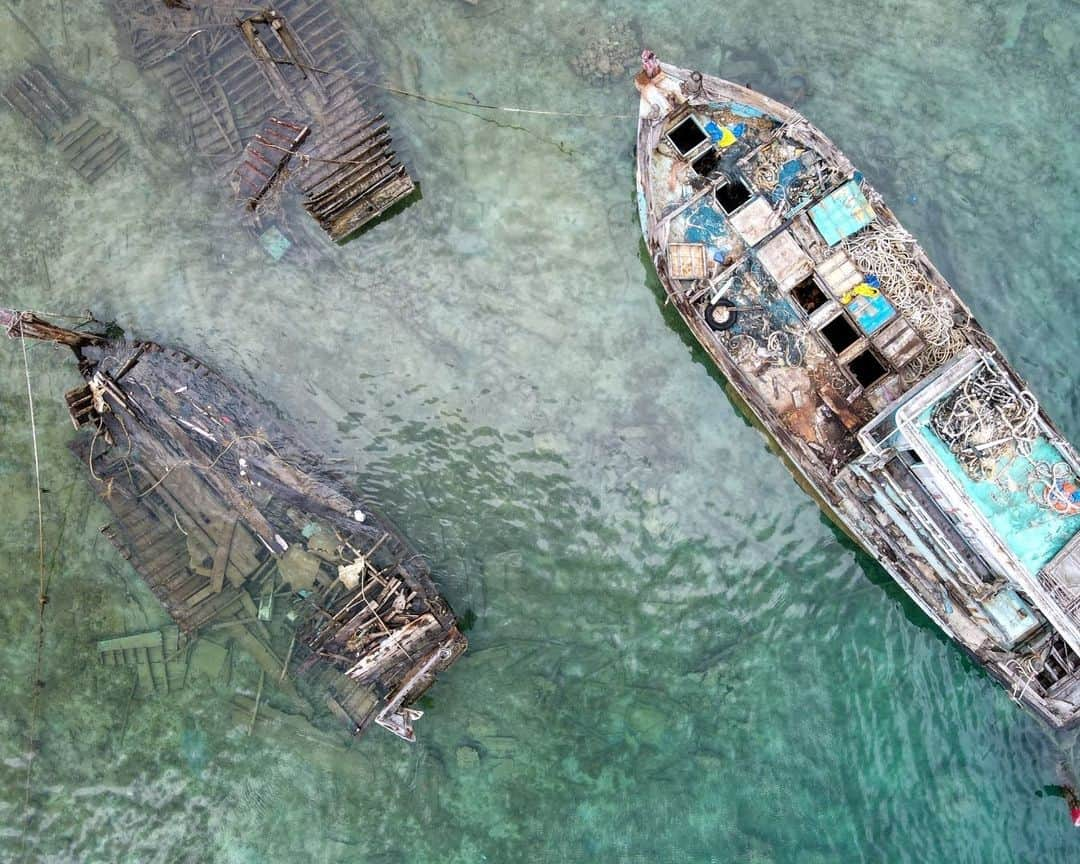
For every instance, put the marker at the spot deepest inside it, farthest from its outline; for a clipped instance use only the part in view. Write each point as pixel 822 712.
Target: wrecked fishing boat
pixel 225 516
pixel 893 407
pixel 279 99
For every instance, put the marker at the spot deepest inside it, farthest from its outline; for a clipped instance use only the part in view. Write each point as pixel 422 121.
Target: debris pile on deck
pixel 87 146
pixel 235 527
pixel 248 81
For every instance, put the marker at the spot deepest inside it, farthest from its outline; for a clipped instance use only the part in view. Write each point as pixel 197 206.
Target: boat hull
pixel 768 241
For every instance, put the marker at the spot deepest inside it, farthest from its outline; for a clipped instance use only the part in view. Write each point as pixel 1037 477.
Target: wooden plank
pixel 152 639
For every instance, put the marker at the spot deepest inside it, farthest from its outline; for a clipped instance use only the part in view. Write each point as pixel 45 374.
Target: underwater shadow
pixel 874 571
pixel 398 207
pixel 675 323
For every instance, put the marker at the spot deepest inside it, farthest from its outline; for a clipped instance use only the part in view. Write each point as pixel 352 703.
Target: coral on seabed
pixel 609 55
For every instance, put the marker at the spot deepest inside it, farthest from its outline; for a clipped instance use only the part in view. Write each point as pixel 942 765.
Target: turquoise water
pixel 674 657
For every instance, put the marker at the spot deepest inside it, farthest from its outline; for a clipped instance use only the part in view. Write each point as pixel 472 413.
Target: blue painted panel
pixel 1012 615
pixel 1034 533
pixel 871 313
pixel 740 110
pixel 842 212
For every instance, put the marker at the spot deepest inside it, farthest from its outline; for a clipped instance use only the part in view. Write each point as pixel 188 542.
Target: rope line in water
pixel 441 100
pixel 35 709
pixel 435 100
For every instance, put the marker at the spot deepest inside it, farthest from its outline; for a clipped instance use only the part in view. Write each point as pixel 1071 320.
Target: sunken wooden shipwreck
pixel 894 408
pixel 86 145
pixel 276 96
pixel 225 516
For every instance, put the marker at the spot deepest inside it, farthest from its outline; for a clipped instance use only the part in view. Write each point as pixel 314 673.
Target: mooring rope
pixel 509 109
pixel 445 101
pixel 43 598
pixel 435 100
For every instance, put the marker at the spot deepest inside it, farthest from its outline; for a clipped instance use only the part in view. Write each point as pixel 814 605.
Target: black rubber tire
pixel 726 318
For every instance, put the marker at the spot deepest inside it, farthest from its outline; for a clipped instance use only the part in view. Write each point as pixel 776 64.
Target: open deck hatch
pixel 706 162
pixel 687 135
pixel 808 295
pixel 839 334
pixel 732 195
pixel 867 368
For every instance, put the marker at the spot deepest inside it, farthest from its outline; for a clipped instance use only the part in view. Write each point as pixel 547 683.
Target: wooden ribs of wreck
pixel 267 156
pixel 229 70
pixel 85 144
pixel 215 505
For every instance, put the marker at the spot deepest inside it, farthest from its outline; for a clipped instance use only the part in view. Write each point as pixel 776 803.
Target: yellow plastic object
pixel 860 290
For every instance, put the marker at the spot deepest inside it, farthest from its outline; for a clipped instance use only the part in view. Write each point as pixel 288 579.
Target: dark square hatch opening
pixel 866 368
pixel 706 162
pixel 687 135
pixel 732 195
pixel 808 295
pixel 839 334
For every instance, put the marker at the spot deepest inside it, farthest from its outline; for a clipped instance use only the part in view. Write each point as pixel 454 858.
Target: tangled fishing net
pixel 809 183
pixel 986 425
pixel 766 170
pixel 985 421
pixel 759 335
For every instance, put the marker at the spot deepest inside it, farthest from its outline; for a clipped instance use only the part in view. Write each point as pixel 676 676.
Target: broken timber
pixel 87 146
pixel 155 655
pixel 239 76
pixel 268 155
pixel 219 509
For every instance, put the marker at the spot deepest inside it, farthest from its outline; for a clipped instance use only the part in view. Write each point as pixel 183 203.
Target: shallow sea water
pixel 674 657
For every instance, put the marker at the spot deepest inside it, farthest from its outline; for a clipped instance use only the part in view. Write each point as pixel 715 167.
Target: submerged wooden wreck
pixel 221 511
pixel 278 97
pixel 88 147
pixel 895 409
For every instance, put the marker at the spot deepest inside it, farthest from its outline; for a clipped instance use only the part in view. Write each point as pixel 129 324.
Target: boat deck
pixel 889 401
pixel 793 266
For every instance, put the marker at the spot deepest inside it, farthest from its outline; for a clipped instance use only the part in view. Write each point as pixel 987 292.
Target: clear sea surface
pixel 674 657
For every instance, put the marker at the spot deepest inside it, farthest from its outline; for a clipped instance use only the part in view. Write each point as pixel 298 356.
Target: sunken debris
pixel 157 657
pixel 897 411
pixel 246 82
pixel 236 527
pixel 87 146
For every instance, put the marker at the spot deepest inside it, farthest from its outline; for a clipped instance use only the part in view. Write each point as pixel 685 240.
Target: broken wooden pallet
pixel 266 157
pixel 355 176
